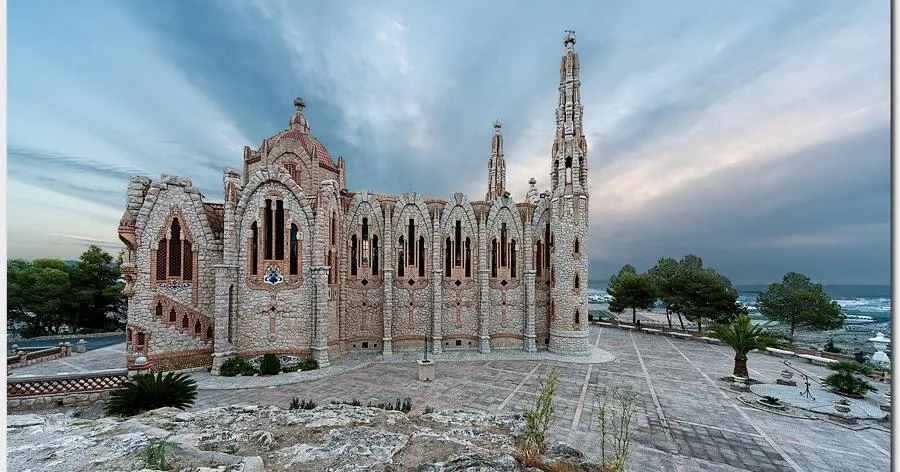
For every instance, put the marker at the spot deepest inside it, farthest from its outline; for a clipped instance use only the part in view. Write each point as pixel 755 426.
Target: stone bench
pixel 711 340
pixel 680 335
pixel 780 352
pixel 652 330
pixel 605 324
pixel 816 359
pixel 625 326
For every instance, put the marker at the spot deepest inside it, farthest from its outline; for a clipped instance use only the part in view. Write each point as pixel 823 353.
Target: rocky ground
pixel 257 439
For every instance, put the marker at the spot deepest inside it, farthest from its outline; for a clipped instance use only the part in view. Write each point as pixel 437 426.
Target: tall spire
pixel 569 109
pixel 569 167
pixel 496 166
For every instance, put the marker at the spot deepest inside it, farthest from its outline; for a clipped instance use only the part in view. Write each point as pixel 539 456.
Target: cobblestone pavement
pixel 688 420
pixel 111 357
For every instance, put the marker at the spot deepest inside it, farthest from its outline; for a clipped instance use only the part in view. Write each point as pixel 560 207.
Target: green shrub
pixel 830 347
pixel 429 409
pixel 290 368
pixel 539 418
pixel 297 404
pixel 155 453
pixel 237 366
pixel 270 365
pixel 355 402
pixel 844 381
pixel 309 364
pixel 404 405
pixel 145 392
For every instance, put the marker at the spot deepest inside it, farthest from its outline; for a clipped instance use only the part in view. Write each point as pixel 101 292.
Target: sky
pixel 753 134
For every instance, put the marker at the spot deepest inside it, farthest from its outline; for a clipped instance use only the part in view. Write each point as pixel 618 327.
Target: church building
pixel 296 264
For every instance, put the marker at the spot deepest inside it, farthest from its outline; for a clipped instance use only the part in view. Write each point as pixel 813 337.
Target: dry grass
pixel 529 455
pixel 565 467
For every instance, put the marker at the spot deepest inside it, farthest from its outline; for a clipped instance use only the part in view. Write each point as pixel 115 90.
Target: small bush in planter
pixel 270 365
pixel 145 392
pixel 768 399
pixel 309 364
pixel 845 382
pixel 237 366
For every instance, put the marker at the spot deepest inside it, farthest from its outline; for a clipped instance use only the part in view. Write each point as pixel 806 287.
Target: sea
pixel 867 300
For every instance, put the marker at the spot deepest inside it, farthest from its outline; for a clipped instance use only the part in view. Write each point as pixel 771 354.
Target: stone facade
pixel 293 263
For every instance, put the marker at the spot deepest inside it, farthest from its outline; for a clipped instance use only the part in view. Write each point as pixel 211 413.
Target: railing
pixel 34 357
pixel 38 385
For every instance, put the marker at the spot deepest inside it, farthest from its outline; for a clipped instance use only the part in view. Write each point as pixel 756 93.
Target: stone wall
pixel 171 197
pixel 65 389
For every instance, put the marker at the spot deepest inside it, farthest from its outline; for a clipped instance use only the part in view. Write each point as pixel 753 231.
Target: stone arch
pixel 274 181
pixel 190 204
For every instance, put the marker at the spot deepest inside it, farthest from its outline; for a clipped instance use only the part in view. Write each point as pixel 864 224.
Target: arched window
pixel 375 255
pixel 175 249
pixel 569 170
pixel 512 258
pixel 184 321
pixel 279 230
pixel 197 327
pixel 422 256
pixel 577 247
pixel 172 315
pixel 254 248
pixel 448 255
pixel 295 250
pixel 267 224
pixel 174 255
pixel 577 282
pixel 468 271
pixel 577 317
pixel 209 332
pixel 457 253
pixel 159 310
pixel 333 227
pixel 140 339
pixel 401 246
pixel 353 255
pixel 493 258
pixel 161 259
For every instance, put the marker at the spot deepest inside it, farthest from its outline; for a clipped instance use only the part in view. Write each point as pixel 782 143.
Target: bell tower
pixel 569 212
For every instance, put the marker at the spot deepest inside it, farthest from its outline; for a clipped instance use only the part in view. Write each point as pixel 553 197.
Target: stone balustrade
pixel 62 389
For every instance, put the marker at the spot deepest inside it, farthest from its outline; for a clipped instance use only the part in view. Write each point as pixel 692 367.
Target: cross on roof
pixel 299 103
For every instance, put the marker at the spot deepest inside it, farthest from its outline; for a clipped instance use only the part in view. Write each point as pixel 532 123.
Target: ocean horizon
pixel 868 300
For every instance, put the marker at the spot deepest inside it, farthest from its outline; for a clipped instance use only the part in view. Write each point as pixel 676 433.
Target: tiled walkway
pixel 111 357
pixel 687 421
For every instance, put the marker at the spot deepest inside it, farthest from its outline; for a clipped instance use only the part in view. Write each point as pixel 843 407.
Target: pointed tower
pixel 496 166
pixel 569 213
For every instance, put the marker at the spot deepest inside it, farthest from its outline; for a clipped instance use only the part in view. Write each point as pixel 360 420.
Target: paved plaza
pixel 104 358
pixel 688 420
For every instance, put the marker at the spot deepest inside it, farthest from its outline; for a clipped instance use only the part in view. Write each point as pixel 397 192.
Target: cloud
pixel 733 130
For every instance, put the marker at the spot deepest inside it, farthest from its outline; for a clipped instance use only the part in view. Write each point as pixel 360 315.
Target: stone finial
pixel 298 121
pixel 497 124
pixel 569 40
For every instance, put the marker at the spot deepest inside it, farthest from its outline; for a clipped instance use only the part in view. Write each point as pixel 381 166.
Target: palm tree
pixel 744 337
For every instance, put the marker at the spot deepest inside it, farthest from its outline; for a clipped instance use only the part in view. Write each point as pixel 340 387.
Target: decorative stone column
pixel 484 337
pixel 320 313
pixel 223 347
pixel 388 272
pixel 530 336
pixel 436 312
